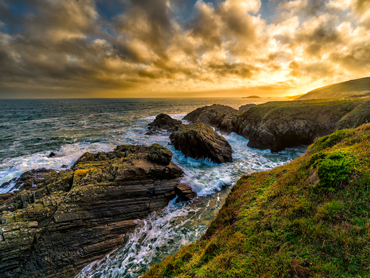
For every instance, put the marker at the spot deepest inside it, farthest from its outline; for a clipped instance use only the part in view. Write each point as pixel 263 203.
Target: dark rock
pixel 77 216
pixel 64 166
pixel 218 116
pixel 284 124
pixel 160 154
pixel 52 154
pixel 246 107
pixel 30 178
pixel 184 192
pixel 5 184
pixel 163 122
pixel 200 141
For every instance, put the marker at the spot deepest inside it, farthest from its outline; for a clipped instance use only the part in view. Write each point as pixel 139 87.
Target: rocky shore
pixel 308 218
pixel 57 223
pixel 279 125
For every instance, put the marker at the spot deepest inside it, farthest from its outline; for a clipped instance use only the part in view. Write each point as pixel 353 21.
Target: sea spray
pixel 163 233
pixel 30 130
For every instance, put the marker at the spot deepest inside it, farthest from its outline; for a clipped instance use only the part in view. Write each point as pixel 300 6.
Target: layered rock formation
pixel 76 216
pixel 163 122
pixel 200 141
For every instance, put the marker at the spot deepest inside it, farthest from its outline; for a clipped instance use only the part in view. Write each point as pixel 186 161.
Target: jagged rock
pixel 76 216
pixel 246 107
pixel 200 141
pixel 162 122
pixel 52 154
pixel 184 192
pixel 29 179
pixel 218 116
pixel 284 124
pixel 160 154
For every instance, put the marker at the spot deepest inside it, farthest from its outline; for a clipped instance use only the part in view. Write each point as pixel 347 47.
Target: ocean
pixel 31 129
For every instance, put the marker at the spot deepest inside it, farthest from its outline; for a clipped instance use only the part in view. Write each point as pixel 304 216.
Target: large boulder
pixel 200 141
pixel 218 116
pixel 68 219
pixel 162 122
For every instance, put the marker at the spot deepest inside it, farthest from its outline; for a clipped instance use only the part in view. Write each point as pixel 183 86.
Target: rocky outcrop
pixel 200 141
pixel 280 125
pixel 246 107
pixel 28 179
pixel 218 116
pixel 283 124
pixel 163 122
pixel 71 218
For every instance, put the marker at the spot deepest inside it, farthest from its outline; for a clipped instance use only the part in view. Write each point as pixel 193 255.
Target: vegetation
pixel 352 88
pixel 313 110
pixel 309 218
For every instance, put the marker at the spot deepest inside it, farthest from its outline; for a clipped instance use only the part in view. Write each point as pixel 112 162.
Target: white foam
pixel 66 155
pixel 156 237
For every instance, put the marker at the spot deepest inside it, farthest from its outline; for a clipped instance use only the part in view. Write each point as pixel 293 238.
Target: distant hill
pixel 352 88
pixel 252 97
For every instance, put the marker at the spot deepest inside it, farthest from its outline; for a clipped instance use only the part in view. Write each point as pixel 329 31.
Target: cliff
pixel 283 124
pixel 309 218
pixel 71 218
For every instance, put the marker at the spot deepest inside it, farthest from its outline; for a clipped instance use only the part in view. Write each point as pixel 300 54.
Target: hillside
pixel 309 218
pixel 352 88
pixel 282 124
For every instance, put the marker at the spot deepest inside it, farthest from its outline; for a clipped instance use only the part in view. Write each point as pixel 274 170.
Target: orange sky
pixel 163 48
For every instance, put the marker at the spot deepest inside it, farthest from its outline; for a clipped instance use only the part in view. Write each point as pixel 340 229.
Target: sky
pixel 180 48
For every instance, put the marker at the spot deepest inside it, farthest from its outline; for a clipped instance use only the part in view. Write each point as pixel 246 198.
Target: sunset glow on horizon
pixel 179 48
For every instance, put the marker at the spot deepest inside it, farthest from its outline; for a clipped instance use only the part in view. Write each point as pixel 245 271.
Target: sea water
pixel 31 129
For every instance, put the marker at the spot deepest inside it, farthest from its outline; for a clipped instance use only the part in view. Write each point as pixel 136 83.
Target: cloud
pixel 170 45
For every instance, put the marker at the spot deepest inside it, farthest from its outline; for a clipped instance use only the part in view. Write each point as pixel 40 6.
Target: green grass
pixel 351 88
pixel 309 218
pixel 311 110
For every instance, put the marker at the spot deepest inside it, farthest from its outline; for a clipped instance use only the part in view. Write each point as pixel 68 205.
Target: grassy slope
pixel 310 218
pixel 344 89
pixel 313 110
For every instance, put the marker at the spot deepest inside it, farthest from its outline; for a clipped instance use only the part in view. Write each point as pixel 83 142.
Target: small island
pixel 252 97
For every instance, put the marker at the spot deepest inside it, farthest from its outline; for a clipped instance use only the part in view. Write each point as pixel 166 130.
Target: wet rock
pixel 218 116
pixel 52 155
pixel 78 215
pixel 200 141
pixel 162 122
pixel 184 192
pixel 29 179
pixel 64 166
pixel 160 154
